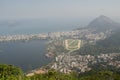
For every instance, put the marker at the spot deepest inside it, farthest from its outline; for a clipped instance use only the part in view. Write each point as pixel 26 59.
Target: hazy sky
pixel 65 9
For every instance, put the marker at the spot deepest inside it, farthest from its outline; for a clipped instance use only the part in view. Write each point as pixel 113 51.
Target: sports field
pixel 72 44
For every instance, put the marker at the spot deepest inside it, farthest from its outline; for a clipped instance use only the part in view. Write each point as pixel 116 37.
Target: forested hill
pixel 108 45
pixel 112 41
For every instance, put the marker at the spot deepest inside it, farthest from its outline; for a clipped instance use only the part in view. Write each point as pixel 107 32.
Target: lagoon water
pixel 27 55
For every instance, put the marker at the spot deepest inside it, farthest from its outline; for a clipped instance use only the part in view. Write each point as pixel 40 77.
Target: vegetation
pixel 54 75
pixel 100 75
pixel 10 72
pixel 108 45
pixel 97 49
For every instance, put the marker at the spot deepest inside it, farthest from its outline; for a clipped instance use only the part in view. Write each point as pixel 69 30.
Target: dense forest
pixel 10 72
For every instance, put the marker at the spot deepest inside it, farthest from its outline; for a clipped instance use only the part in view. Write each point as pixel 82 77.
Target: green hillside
pixel 108 45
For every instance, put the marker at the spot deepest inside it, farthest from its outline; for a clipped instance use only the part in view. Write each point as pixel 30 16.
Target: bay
pixel 13 27
pixel 29 55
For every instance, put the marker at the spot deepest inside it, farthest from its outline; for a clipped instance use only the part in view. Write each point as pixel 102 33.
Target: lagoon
pixel 26 55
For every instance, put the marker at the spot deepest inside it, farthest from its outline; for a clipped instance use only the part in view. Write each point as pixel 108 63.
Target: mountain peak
pixel 103 23
pixel 104 18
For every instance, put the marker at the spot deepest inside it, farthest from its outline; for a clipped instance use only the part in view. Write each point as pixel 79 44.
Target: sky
pixel 58 9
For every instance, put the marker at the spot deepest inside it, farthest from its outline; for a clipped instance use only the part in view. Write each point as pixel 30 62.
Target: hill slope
pixel 108 45
pixel 103 23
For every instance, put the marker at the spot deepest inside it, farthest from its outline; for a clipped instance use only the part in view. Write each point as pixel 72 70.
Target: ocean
pixel 14 27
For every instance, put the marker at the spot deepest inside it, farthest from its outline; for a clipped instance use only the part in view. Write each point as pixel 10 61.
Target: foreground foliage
pixel 10 72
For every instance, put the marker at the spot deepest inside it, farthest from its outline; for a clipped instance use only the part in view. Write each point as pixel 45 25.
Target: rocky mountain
pixel 103 23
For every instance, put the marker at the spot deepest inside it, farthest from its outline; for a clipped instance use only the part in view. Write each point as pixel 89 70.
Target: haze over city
pixel 62 9
pixel 59 40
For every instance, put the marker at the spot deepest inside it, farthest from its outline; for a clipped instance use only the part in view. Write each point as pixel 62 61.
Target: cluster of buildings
pixel 67 63
pixel 80 33
pixel 110 59
pixel 22 37
pixel 81 63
